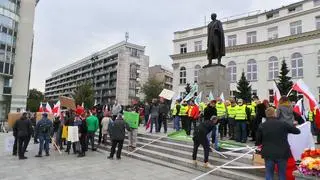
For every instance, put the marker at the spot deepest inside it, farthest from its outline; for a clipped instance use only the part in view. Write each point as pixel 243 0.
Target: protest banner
pixel 167 94
pixel 131 118
pixel 73 134
pixel 9 141
pixel 13 117
pixel 67 102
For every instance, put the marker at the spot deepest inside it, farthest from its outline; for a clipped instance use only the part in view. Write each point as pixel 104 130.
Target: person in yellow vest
pixel 222 114
pixel 314 129
pixel 231 122
pixel 202 106
pixel 251 114
pixel 241 122
pixel 183 115
pixel 176 115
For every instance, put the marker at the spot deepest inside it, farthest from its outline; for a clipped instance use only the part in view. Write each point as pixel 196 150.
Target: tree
pixel 34 99
pixel 285 83
pixel 244 88
pixel 84 93
pixel 152 88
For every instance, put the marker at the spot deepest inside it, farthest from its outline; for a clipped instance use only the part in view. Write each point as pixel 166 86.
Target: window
pixel 232 40
pixel 295 8
pixel 316 2
pixel 272 33
pixel 198 46
pixel 296 65
pixel 319 62
pixel 252 37
pixel 183 75
pixel 254 92
pixel 296 27
pixel 232 71
pixel 271 95
pixel 272 15
pixel 318 22
pixel 183 48
pixel 196 73
pixel 273 68
pixel 252 70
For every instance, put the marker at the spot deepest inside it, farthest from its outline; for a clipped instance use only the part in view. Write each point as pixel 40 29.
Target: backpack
pixel 45 128
pixel 200 132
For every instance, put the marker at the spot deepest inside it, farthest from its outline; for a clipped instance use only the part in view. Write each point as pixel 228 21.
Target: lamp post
pixel 93 60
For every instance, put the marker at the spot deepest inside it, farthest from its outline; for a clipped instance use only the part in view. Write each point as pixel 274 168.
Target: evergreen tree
pixel 84 93
pixel 285 83
pixel 244 89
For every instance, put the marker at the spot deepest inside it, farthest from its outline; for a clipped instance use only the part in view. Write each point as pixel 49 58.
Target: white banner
pixel 73 134
pixel 9 141
pixel 167 94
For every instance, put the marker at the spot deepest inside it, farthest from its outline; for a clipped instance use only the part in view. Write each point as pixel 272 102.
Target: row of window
pixel 252 69
pixel 295 28
pixel 10 4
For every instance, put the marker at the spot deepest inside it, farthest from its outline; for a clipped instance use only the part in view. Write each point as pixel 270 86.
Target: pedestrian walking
pixel 200 138
pixel 117 131
pixel 93 125
pixel 273 136
pixel 22 130
pixel 44 130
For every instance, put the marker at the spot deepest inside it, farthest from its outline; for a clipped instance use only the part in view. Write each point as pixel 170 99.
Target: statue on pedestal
pixel 216 45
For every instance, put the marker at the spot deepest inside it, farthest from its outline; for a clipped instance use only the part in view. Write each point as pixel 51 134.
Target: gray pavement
pixel 93 166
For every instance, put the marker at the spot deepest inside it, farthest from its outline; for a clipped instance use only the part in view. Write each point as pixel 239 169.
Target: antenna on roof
pixel 127 36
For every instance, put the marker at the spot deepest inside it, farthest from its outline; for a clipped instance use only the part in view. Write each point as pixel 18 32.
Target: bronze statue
pixel 216 45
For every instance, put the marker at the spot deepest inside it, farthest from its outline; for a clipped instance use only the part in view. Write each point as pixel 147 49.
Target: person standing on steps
pixel 117 131
pixel 241 122
pixel 22 130
pixel 209 112
pixel 93 125
pixel 176 115
pixel 116 109
pixel 105 125
pixel 231 122
pixel 184 115
pixel 154 113
pixel 44 130
pixel 200 138
pixel 222 113
pixel 146 113
pixel 163 113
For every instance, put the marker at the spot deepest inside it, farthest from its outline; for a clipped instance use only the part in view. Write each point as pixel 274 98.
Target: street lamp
pixel 93 60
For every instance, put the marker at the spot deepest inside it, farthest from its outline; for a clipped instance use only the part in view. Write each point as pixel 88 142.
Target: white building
pixel 118 72
pixel 16 38
pixel 256 45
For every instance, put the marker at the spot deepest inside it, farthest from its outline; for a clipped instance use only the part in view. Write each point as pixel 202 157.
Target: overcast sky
pixel 68 30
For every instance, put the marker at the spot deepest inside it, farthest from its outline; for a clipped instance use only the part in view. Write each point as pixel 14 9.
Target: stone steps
pixel 177 155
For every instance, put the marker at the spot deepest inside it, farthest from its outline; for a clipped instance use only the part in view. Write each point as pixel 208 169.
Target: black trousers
pixel 91 139
pixel 116 143
pixel 206 148
pixel 163 119
pixel 83 143
pixel 232 128
pixel 100 132
pixel 69 143
pixel 185 123
pixel 15 148
pixel 22 143
pixel 191 122
pixel 223 127
pixel 27 143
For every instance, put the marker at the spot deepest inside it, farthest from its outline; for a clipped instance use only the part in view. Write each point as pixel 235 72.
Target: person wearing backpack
pixel 200 138
pixel 44 130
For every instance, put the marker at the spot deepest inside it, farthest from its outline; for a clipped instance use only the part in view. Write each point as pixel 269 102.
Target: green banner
pixel 132 119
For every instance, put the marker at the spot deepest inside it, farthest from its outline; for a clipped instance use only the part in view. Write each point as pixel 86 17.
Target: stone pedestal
pixel 214 79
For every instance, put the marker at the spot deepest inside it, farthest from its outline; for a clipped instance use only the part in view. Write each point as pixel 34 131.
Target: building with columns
pixel 257 45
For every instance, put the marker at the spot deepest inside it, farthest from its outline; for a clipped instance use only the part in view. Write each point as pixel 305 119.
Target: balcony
pixel 6 90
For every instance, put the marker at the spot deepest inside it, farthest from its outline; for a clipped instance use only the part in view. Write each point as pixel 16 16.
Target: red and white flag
pixel 40 108
pixel 298 108
pixel 56 109
pixel 148 125
pixel 301 87
pixel 276 95
pixel 48 108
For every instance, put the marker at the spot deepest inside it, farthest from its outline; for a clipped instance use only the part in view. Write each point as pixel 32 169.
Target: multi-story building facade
pixel 256 45
pixel 16 39
pixel 162 74
pixel 118 72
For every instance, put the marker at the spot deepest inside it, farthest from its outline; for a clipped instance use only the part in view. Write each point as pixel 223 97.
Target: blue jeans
pixel 154 120
pixel 241 131
pixel 176 121
pixel 44 144
pixel 214 136
pixel 282 166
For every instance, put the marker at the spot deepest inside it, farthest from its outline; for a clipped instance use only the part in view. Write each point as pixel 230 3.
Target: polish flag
pixel 317 118
pixel 298 108
pixel 301 87
pixel 48 108
pixel 56 109
pixel 276 95
pixel 40 108
pixel 148 125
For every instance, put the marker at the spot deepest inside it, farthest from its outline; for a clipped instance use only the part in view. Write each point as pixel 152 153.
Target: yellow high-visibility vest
pixel 202 106
pixel 241 114
pixel 232 111
pixel 310 116
pixel 183 110
pixel 174 110
pixel 190 111
pixel 221 109
pixel 253 109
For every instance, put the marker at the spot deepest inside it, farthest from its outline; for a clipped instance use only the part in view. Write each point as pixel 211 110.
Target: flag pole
pixel 289 92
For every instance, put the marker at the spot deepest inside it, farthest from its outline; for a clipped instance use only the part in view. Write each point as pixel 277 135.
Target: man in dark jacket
pixel 163 112
pixel 200 138
pixel 44 131
pixel 273 136
pixel 209 112
pixel 146 113
pixel 117 130
pixel 22 129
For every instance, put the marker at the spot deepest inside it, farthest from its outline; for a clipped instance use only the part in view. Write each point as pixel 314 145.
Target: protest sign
pixel 9 141
pixel 73 134
pixel 167 94
pixel 132 119
pixel 67 102
pixel 13 117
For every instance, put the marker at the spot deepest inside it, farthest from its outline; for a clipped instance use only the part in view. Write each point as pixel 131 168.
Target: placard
pixel 73 134
pixel 167 94
pixel 9 141
pixel 13 117
pixel 132 119
pixel 67 102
